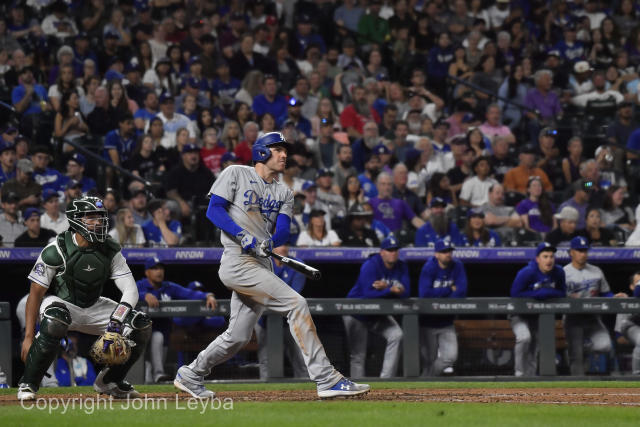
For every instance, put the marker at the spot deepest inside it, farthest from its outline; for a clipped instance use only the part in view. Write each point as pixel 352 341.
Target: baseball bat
pixel 310 272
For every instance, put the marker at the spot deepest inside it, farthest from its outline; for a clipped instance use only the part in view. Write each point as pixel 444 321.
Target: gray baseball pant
pixel 291 351
pixel 255 288
pixel 585 333
pixel 439 347
pixel 357 331
pixel 525 353
pixel 633 335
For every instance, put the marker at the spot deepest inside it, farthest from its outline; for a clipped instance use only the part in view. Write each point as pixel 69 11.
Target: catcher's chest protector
pixel 81 279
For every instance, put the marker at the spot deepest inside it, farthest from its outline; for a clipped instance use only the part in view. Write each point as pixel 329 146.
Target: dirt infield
pixel 554 396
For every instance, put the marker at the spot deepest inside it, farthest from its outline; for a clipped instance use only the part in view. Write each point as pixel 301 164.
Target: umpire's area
pixel 596 393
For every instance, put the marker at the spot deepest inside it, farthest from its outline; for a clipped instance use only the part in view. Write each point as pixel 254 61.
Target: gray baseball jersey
pixel 585 283
pixel 254 203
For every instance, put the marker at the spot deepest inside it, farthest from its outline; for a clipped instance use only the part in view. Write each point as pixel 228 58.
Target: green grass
pixel 336 413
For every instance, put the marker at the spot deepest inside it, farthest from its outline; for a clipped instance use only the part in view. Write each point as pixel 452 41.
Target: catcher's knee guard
pixel 56 319
pixel 140 325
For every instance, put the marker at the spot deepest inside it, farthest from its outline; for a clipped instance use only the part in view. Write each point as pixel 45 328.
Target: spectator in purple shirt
pixel 392 212
pixel 543 101
pixel 536 210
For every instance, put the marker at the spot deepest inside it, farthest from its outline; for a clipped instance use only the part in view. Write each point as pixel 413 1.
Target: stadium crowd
pixel 486 123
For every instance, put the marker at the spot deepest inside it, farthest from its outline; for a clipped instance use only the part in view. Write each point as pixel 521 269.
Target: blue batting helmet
pixel 260 151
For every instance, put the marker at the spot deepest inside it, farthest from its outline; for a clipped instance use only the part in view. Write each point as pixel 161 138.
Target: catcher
pixel 66 283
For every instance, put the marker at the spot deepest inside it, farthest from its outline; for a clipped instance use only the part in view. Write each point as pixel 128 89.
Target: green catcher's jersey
pixel 75 274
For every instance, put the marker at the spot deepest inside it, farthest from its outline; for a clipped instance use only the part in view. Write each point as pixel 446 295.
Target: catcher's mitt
pixel 111 349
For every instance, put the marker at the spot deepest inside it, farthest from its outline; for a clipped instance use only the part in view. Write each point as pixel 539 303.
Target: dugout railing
pixel 409 311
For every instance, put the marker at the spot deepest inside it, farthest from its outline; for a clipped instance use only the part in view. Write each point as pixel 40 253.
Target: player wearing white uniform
pixel 254 212
pixel 629 325
pixel 585 331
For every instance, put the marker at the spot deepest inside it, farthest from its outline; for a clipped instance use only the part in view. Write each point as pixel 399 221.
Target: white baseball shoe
pixel 345 387
pixel 27 391
pixel 190 383
pixel 119 390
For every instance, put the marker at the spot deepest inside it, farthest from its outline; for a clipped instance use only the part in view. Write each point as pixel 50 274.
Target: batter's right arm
pixel 36 294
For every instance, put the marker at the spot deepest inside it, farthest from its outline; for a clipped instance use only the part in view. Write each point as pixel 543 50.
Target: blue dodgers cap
pixel 6 145
pixel 29 212
pixel 166 97
pixel 381 149
pixel 49 193
pixel 188 148
pixel 437 201
pixel 443 245
pixel 195 286
pixel 308 184
pixel 113 75
pixel 323 172
pixel 152 262
pixel 390 242
pixel 193 82
pixel 580 243
pixel 545 246
pixel 229 156
pixel 72 183
pixel 79 159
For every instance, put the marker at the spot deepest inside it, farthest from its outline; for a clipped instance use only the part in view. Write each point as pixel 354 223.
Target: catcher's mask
pixel 88 216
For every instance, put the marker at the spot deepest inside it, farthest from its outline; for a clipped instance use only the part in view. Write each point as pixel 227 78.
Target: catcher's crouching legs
pixel 56 319
pixel 139 325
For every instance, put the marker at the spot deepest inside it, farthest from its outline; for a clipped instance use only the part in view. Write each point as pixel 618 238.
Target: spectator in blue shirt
pixel 75 171
pixel 296 281
pixel 367 179
pixel 143 115
pixel 44 175
pixel 441 277
pixel 224 85
pixel 152 289
pixel 306 37
pixel 7 161
pixel 476 233
pixel 540 279
pixel 69 363
pixel 269 101
pixel 161 230
pixel 383 275
pixel 29 97
pixel 120 143
pixel 438 226
pixel 294 117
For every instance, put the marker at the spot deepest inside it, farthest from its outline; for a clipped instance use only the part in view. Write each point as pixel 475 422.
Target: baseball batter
pixel 540 279
pixel 585 331
pixel 248 204
pixel 441 277
pixel 66 283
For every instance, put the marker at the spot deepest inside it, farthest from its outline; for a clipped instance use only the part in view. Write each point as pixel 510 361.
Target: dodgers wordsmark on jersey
pixel 587 282
pixel 253 203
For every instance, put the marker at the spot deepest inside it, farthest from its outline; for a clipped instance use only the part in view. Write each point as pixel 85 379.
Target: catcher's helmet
pixel 80 208
pixel 260 151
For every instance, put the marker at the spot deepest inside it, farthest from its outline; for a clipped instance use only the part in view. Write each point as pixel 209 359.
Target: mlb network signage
pixel 345 255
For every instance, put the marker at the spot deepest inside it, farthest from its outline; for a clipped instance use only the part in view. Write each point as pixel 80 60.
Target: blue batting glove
pixel 247 241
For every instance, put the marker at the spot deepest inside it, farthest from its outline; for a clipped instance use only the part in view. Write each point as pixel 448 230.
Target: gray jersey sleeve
pixel 226 184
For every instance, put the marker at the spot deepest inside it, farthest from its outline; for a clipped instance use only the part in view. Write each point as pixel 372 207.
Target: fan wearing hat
pixel 357 231
pixel 383 275
pixel 476 233
pixel 566 230
pixel 53 218
pixel 224 85
pixel 317 232
pixel 327 196
pixel 295 117
pixel 23 185
pixel 475 190
pixel 160 229
pixel 7 161
pixel 189 180
pixel 585 280
pixel 120 143
pixel 58 23
pixel 442 276
pixel 10 224
pixel 570 48
pixel 540 279
pixel 76 165
pixel 438 227
pixel 34 235
pixel 173 121
pixel 154 288
pixel 42 174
